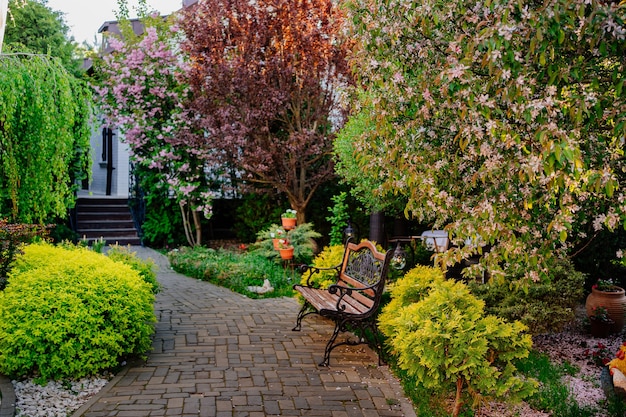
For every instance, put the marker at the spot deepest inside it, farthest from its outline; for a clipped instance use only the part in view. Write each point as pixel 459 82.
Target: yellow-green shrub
pixel 145 268
pixel 410 289
pixel 441 335
pixel 71 313
pixel 329 257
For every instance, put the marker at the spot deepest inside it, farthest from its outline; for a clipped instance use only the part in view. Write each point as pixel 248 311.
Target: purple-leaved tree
pixel 266 79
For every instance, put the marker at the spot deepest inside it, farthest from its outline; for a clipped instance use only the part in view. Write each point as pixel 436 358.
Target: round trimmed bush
pixel 71 312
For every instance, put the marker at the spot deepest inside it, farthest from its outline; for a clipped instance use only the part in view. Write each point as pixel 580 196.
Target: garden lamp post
pixel 348 233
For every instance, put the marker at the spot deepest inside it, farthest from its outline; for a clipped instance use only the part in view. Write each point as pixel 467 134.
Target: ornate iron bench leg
pixel 304 311
pixel 330 345
pixel 382 359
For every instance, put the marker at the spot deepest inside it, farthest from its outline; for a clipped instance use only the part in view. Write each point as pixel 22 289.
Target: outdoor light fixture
pixel 398 260
pixel 348 232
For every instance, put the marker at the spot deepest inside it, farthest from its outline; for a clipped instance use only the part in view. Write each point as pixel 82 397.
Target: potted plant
pixel 601 322
pixel 288 219
pixel 610 296
pixel 276 236
pixel 285 248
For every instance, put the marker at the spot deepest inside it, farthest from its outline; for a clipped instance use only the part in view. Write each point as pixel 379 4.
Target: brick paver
pixel 217 353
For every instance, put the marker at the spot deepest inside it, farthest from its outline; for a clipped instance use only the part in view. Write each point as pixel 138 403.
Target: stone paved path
pixel 218 353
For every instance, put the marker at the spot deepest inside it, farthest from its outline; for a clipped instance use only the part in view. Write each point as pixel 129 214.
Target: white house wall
pixel 120 178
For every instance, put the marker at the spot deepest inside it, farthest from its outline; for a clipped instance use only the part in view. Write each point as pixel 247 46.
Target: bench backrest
pixel 364 266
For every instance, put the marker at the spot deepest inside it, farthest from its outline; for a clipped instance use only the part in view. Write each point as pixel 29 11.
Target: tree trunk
pixel 400 227
pixel 300 216
pixel 198 226
pixel 377 227
pixel 193 239
pixel 457 399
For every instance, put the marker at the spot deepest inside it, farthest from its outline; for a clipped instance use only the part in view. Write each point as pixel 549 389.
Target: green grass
pixel 553 395
pixel 234 270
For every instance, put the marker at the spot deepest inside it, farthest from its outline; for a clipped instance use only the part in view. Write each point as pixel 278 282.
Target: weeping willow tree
pixel 44 138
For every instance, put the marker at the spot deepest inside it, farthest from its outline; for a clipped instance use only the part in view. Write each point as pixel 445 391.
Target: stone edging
pixel 85 407
pixel 7 401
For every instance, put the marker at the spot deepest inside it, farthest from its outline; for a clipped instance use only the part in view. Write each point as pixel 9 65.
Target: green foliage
pixel 162 226
pixel 427 402
pixel 301 238
pixel 410 289
pixel 33 27
pixel 339 219
pixel 12 236
pixel 233 270
pixel 98 245
pixel 255 212
pixel 146 269
pixel 69 312
pixel 553 395
pixel 544 306
pixel 441 335
pixel 500 120
pixel 44 137
pixel 364 184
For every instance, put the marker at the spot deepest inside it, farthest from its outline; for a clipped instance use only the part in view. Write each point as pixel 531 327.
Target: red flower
pixel 605 361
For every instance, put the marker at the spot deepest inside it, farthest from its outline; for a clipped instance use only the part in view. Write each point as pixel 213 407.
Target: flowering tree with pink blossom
pixel 142 94
pixel 502 122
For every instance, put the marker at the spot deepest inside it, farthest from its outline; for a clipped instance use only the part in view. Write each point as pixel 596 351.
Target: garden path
pixel 218 353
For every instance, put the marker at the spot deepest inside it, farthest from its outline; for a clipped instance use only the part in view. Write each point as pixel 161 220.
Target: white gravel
pixel 56 398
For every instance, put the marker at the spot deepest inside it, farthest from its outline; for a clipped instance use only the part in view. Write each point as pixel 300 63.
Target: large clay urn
pixel 614 301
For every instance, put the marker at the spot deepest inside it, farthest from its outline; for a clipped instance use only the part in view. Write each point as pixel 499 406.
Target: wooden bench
pixel 353 300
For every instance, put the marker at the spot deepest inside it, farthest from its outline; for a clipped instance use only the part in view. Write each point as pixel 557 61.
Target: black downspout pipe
pixel 109 152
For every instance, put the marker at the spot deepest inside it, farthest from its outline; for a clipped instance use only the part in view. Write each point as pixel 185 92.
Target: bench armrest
pixel 312 270
pixel 347 291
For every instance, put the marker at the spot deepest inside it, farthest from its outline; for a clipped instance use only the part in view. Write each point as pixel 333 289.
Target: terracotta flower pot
pixel 286 253
pixel 276 245
pixel 614 301
pixel 288 223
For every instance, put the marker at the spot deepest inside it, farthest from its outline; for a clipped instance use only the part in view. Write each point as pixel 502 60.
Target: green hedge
pixel 69 312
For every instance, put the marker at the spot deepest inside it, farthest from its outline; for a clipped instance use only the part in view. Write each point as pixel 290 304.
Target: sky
pixel 84 17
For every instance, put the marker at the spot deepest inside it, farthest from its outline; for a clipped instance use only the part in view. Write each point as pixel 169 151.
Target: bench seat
pixel 352 302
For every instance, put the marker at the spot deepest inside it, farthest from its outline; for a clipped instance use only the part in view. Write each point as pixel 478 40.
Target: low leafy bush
pixel 71 312
pixel 147 269
pixel 440 335
pixel 543 306
pixel 232 270
pixel 302 238
pixel 329 257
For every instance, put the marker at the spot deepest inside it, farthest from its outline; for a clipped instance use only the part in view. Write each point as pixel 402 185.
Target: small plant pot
pixel 286 254
pixel 601 328
pixel 613 301
pixel 276 244
pixel 288 223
